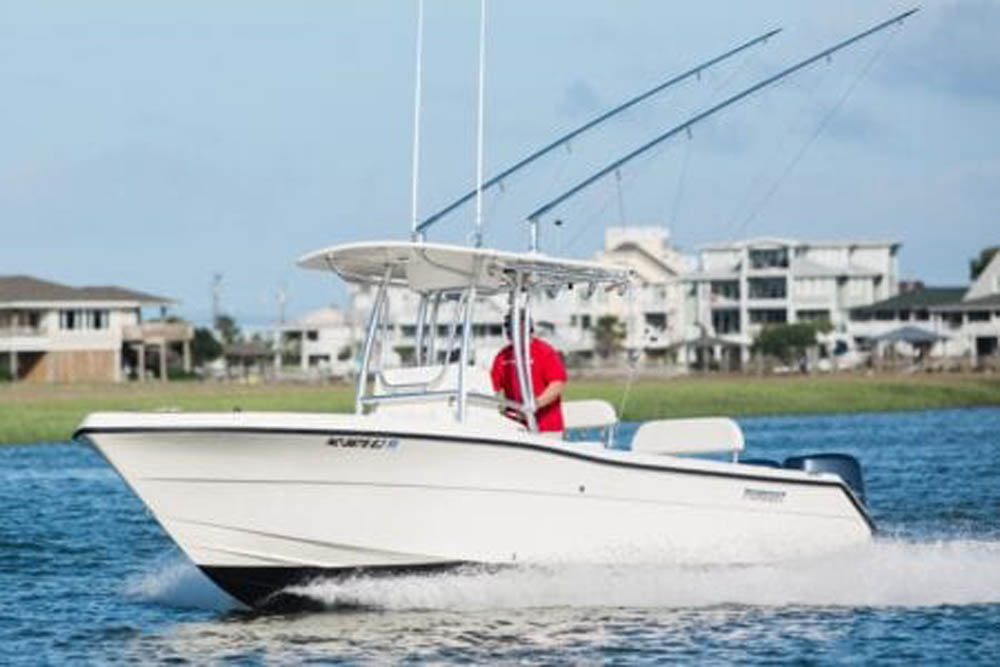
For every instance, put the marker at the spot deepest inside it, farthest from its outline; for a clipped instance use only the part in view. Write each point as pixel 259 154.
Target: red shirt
pixel 546 368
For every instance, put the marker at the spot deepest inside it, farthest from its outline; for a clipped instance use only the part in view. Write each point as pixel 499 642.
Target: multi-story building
pixel 679 309
pixel 742 286
pixel 960 321
pixel 56 333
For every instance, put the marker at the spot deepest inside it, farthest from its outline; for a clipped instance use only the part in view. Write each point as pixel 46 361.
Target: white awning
pixel 430 266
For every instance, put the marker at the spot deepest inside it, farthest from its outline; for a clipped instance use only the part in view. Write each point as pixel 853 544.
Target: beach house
pixel 51 332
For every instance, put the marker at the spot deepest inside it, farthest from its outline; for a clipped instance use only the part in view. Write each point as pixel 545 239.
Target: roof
pixel 328 316
pixel 807 268
pixel 990 302
pixel 910 334
pixel 27 289
pixel 434 266
pixel 926 297
pixel 609 255
pixel 771 242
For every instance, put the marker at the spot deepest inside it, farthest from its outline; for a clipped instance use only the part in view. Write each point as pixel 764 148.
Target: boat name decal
pixel 362 442
pixel 764 496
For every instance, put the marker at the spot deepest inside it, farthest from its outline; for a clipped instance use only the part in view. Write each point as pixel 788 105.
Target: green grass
pixel 750 395
pixel 32 413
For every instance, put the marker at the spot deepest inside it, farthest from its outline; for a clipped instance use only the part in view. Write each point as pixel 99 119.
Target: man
pixel 548 379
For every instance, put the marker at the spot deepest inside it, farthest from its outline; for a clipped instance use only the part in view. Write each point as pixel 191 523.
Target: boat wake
pixel 178 583
pixel 882 574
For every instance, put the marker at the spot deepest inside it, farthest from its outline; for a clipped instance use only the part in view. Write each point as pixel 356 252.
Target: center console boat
pixel 429 474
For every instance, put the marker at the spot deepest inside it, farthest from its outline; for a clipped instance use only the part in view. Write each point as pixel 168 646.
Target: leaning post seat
pixel 590 414
pixel 710 435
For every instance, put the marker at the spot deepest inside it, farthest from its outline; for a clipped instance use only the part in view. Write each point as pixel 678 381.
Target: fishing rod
pixel 686 125
pixel 419 229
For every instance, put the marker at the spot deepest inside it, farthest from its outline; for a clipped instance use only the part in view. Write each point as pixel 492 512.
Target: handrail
pixel 370 341
pixel 424 383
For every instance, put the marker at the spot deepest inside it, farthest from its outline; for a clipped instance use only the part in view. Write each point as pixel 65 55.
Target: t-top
pixel 546 368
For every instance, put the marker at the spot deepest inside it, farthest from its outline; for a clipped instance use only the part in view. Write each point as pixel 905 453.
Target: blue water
pixel 87 576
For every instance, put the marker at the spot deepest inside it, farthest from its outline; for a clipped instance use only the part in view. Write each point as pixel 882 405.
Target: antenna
pixel 416 235
pixel 478 237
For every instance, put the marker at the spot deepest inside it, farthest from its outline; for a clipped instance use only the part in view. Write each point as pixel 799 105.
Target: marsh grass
pixel 33 413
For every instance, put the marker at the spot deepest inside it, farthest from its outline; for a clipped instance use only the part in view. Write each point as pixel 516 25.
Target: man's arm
pixel 553 391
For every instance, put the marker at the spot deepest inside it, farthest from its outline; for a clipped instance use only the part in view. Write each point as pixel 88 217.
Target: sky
pixel 154 145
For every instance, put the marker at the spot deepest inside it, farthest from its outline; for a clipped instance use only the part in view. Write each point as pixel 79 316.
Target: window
pixel 585 321
pixel 979 316
pixel 99 319
pixel 766 288
pixel 769 258
pixel 727 289
pixel 656 320
pixel 769 316
pixel 69 320
pixel 726 321
pixel 813 315
pixel 313 335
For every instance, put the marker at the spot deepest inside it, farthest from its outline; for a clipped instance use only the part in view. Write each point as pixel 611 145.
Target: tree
pixel 205 347
pixel 609 332
pixel 786 341
pixel 977 264
pixel 228 329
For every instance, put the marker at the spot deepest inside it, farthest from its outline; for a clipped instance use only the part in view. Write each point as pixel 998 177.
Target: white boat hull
pixel 258 500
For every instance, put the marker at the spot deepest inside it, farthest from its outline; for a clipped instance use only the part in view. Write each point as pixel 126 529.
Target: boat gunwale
pixel 85 431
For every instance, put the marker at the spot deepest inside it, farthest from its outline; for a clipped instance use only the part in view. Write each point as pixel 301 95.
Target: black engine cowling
pixel 844 465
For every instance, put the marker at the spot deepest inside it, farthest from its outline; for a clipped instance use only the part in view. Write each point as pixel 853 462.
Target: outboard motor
pixel 844 465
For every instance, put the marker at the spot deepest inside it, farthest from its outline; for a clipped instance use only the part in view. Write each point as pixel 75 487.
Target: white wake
pixel 882 574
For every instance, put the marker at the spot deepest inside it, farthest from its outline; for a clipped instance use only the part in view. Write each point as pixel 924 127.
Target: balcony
pixel 149 332
pixel 23 332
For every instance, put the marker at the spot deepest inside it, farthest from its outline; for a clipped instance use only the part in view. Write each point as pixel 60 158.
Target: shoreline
pixel 49 413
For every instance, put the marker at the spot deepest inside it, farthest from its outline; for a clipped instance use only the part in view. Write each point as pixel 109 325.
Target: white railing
pixel 19 332
pixel 158 330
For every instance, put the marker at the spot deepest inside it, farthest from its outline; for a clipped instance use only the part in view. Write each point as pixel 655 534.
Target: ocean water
pixel 88 577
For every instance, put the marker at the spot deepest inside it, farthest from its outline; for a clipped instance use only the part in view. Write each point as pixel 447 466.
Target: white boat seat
pixel 588 414
pixel 688 436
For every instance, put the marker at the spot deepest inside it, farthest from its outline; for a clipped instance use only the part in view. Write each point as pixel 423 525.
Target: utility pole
pixel 216 292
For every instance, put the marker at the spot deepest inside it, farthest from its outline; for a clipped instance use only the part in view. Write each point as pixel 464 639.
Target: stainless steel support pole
pixel 419 334
pixel 372 327
pixel 463 357
pixel 523 379
pixel 432 343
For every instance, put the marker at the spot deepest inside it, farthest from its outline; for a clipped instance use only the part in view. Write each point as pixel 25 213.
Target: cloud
pixel 580 99
pixel 955 53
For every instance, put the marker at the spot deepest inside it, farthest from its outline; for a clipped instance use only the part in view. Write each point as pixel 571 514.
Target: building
pixel 964 321
pixel 683 311
pixel 323 342
pixel 56 333
pixel 742 286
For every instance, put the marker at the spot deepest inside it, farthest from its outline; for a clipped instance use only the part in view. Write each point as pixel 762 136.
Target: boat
pixel 430 473
pixel 434 472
